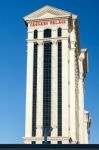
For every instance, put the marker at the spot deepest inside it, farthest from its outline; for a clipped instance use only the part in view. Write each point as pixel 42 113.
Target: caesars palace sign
pixel 44 23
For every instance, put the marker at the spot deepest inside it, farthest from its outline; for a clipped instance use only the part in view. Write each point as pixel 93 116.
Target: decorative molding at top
pixel 45 39
pixel 48 12
pixel 84 59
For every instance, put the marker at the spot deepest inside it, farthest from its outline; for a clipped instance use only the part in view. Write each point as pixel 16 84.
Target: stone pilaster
pixel 29 91
pixel 54 142
pixel 86 128
pixel 81 108
pixel 65 85
pixel 38 142
pixel 39 112
pixel 54 89
pixel 73 96
pixel 72 93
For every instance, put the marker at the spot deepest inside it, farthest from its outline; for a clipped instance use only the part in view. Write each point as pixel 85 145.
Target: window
pixel 35 34
pixel 34 90
pixel 59 31
pixel 47 33
pixel 59 142
pixel 48 142
pixel 33 142
pixel 59 88
pixel 47 88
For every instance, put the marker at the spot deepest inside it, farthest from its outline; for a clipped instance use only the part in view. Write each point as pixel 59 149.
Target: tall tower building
pixel 56 68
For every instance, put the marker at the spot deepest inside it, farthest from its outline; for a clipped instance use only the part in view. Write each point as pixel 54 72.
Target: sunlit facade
pixel 56 68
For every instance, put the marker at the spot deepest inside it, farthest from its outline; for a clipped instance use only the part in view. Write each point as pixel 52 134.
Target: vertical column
pixel 40 35
pixel 73 41
pixel 85 128
pixel 65 87
pixel 81 112
pixel 39 112
pixel 38 142
pixel 65 142
pixel 54 32
pixel 54 90
pixel 29 91
pixel 54 142
pixel 30 33
pixel 72 95
pixel 81 109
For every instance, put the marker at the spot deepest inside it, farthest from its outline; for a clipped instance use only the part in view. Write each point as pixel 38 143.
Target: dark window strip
pixel 34 91
pixel 59 89
pixel 47 33
pixel 47 88
pixel 48 142
pixel 33 142
pixel 59 32
pixel 35 34
pixel 59 142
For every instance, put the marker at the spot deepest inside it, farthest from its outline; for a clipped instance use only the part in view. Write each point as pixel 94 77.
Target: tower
pixel 56 68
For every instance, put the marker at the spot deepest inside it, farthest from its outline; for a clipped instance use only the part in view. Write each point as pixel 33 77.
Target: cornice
pixel 46 39
pixel 39 14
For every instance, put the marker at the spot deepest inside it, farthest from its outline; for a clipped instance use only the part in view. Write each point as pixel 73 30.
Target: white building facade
pixel 56 68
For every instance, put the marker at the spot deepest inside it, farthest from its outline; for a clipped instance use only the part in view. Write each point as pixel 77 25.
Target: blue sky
pixel 13 61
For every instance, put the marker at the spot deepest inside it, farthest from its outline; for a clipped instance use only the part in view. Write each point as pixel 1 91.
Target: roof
pixel 48 12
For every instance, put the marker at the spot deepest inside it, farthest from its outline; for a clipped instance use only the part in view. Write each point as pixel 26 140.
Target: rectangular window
pixel 48 142
pixel 59 88
pixel 47 33
pixel 34 90
pixel 47 89
pixel 59 142
pixel 33 142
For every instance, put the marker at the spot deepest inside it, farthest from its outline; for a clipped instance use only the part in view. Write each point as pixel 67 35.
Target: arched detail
pixel 47 33
pixel 59 32
pixel 35 34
